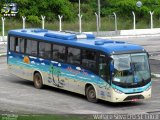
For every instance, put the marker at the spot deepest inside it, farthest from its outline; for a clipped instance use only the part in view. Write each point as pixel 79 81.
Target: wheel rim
pixel 92 94
pixel 38 81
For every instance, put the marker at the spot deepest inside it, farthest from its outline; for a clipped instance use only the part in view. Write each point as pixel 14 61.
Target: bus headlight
pixel 148 88
pixel 117 91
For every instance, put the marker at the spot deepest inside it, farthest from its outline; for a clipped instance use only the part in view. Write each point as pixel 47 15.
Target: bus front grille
pixel 134 97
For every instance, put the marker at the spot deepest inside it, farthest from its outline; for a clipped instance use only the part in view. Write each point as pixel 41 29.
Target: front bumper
pixel 122 97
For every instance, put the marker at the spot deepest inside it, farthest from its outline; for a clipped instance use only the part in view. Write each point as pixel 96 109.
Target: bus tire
pixel 91 94
pixel 37 79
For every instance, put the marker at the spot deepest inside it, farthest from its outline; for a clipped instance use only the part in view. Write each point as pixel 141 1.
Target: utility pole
pixel 79 7
pixel 99 13
pixel 80 17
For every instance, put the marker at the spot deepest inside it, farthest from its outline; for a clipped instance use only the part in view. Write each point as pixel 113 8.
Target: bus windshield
pixel 131 70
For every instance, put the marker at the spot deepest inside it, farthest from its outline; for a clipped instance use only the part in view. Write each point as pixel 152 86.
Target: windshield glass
pixel 131 69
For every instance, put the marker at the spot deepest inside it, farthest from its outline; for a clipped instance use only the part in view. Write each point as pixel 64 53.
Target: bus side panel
pixel 24 67
pixel 57 74
pixel 18 67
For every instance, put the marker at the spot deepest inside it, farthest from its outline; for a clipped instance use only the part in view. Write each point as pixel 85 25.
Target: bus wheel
pixel 38 81
pixel 91 94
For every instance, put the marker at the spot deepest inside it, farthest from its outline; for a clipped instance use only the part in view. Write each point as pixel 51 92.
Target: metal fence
pixel 3 49
pixel 80 21
pixel 3 59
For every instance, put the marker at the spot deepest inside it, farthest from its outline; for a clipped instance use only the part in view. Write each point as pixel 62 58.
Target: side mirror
pixel 148 55
pixel 111 66
pixel 78 68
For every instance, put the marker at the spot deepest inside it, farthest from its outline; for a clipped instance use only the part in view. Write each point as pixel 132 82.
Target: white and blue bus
pixel 109 70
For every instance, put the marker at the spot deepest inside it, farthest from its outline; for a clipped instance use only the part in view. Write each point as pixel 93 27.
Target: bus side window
pixel 73 55
pixel 102 68
pixel 89 59
pixel 19 45
pixel 31 47
pixel 45 50
pixel 12 43
pixel 59 53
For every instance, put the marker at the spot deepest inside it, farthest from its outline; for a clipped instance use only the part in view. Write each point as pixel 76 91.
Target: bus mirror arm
pixel 148 55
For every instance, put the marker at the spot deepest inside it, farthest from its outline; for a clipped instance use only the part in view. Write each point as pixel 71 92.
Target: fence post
pixel 99 13
pixel 43 18
pixel 3 19
pixel 151 14
pixel 24 21
pixel 115 18
pixel 80 23
pixel 134 20
pixel 97 20
pixel 60 22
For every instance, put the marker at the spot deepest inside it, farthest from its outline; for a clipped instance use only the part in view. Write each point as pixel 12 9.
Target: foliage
pixel 33 19
pixel 49 8
pixel 33 9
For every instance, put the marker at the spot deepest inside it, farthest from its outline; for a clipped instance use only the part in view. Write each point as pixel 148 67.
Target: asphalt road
pixel 19 96
pixel 3 48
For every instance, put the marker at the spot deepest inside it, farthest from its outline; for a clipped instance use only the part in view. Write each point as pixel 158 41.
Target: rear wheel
pixel 91 94
pixel 38 83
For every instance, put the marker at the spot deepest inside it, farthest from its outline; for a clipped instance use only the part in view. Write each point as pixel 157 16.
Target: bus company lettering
pixel 76 72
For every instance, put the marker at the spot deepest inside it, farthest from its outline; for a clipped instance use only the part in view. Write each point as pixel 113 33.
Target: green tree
pixel 33 9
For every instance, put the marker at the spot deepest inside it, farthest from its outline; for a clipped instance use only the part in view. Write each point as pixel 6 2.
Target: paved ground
pixel 19 96
pixel 3 48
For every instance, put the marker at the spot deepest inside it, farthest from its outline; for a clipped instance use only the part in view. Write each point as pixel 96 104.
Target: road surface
pixel 19 96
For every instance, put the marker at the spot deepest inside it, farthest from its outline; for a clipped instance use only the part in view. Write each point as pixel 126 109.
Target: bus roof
pixel 85 40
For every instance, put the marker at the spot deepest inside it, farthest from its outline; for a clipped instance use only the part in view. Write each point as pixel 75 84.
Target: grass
pixel 46 117
pixel 107 24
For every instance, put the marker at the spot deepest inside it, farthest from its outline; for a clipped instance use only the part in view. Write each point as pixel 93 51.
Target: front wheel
pixel 38 83
pixel 91 94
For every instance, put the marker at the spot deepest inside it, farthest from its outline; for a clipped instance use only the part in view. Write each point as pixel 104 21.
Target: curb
pixel 3 43
pixel 131 36
pixel 156 75
pixel 3 54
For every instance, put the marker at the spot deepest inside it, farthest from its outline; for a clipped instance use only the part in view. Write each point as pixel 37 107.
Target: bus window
pixel 31 47
pixel 20 45
pixel 59 53
pixel 104 69
pixel 89 59
pixel 74 55
pixel 12 43
pixel 45 50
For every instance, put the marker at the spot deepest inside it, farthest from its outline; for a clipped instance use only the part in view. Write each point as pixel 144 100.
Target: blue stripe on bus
pixel 131 90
